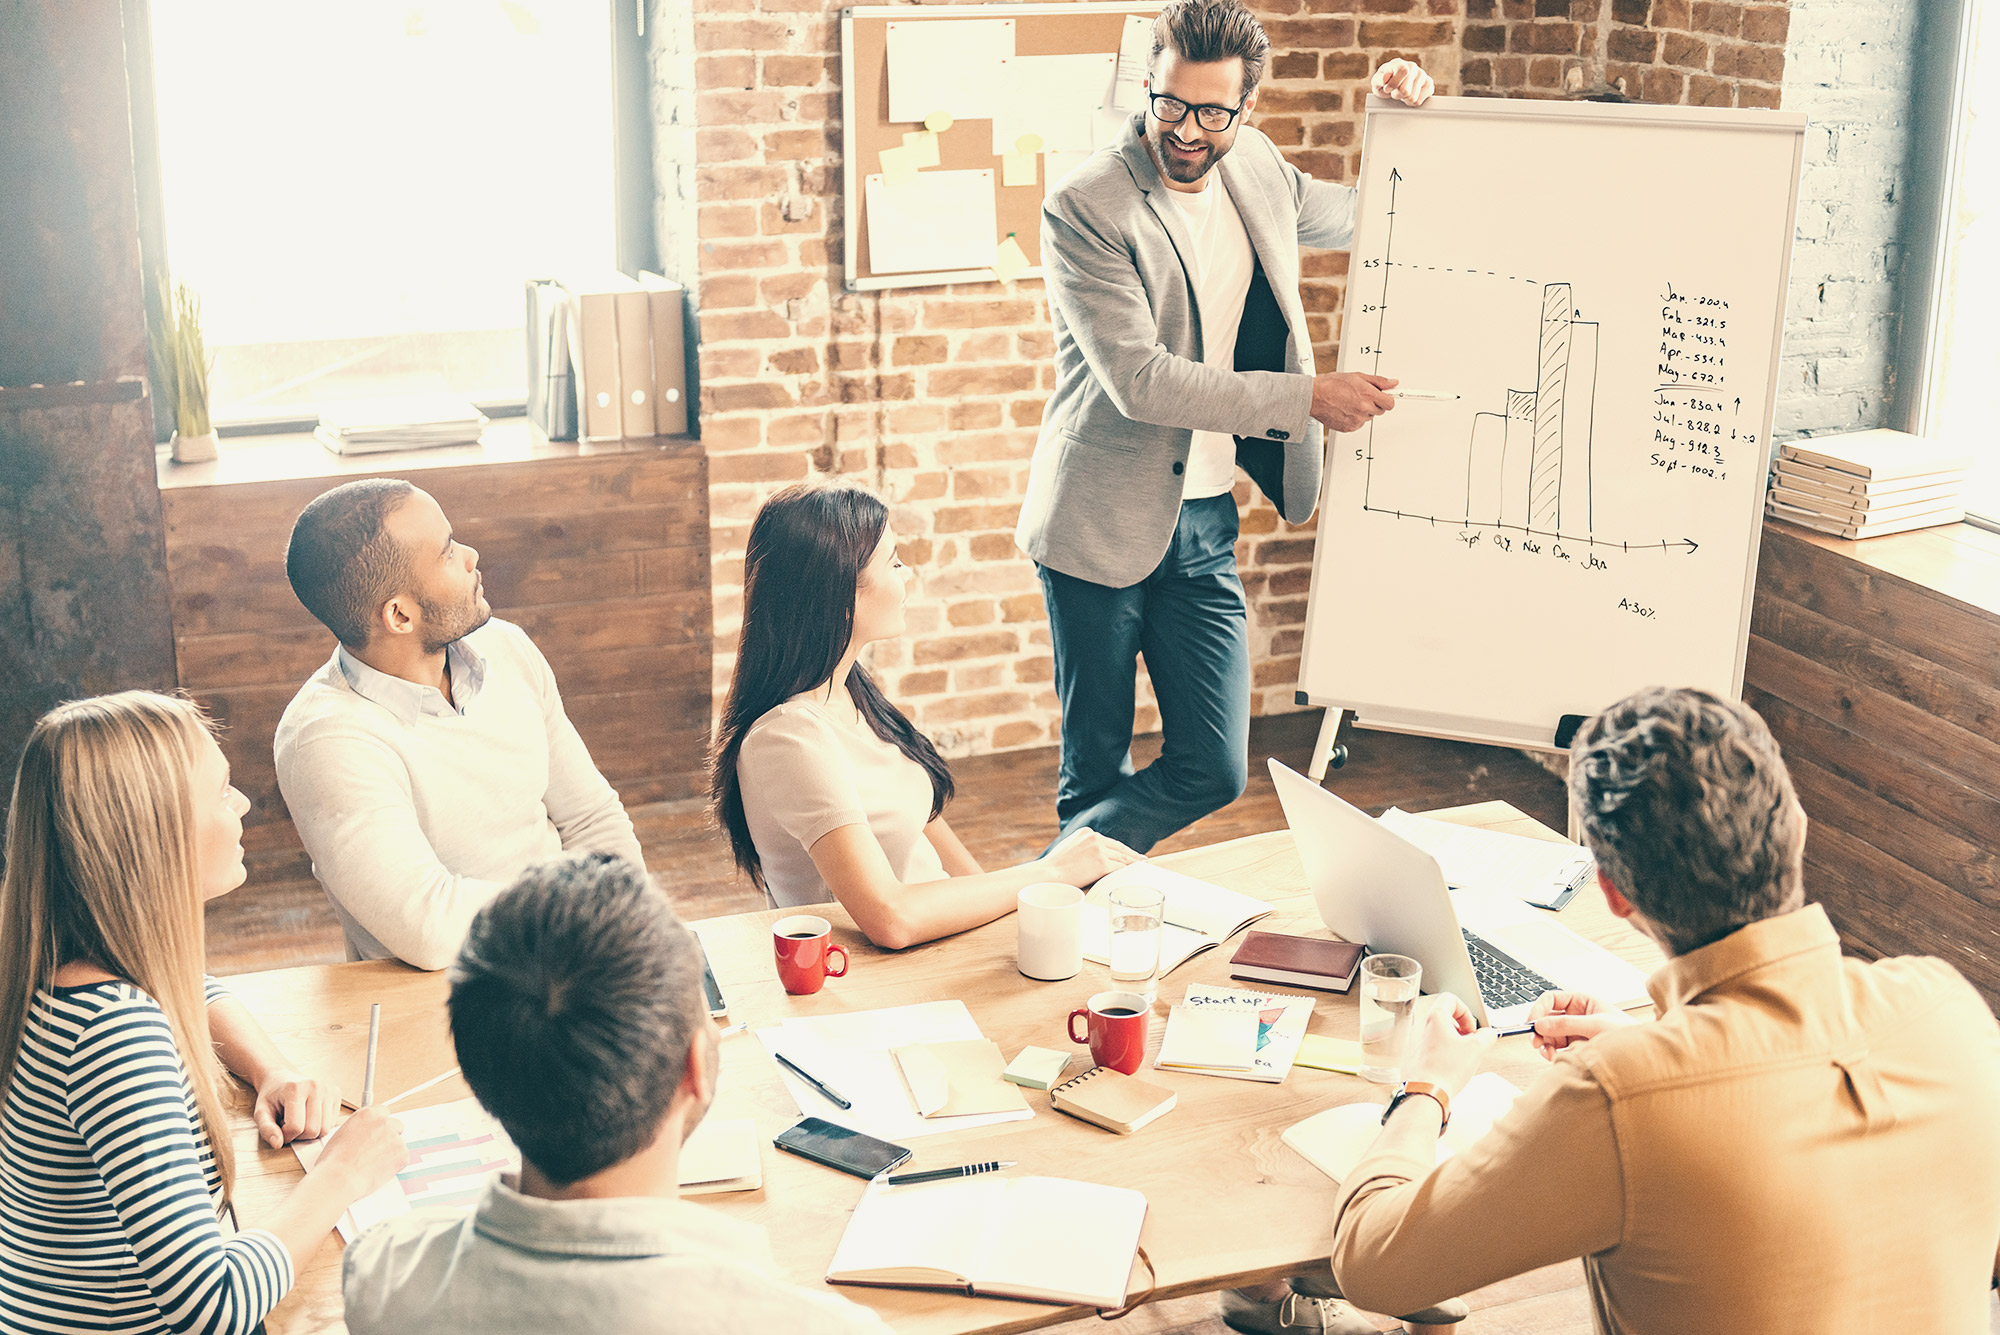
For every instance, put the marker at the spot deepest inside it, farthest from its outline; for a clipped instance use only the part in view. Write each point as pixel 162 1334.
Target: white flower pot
pixel 194 449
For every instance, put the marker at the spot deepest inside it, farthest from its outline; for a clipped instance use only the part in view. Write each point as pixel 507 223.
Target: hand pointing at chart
pixel 1346 400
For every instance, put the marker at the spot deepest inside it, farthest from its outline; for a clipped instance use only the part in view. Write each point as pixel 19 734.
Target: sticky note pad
pixel 1329 1054
pixel 1008 261
pixel 1036 1068
pixel 1018 169
pixel 923 148
pixel 898 164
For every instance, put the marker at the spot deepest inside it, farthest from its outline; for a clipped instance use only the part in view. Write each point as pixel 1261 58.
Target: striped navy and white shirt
pixel 108 1183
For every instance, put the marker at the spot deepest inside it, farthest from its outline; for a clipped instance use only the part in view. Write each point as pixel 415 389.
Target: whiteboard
pixel 1596 293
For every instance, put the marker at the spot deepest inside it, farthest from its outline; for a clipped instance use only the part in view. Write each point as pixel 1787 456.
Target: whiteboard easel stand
pixel 1325 752
pixel 1325 755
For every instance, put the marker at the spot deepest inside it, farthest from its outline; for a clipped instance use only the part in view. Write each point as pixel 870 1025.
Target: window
pixel 357 192
pixel 1959 399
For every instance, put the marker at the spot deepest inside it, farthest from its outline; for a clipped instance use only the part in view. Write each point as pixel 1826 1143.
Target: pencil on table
pixel 374 1036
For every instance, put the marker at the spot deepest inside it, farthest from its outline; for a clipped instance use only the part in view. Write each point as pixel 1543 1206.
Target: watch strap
pixel 1427 1089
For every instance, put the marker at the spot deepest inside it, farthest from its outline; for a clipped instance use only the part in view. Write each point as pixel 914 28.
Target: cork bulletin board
pixel 966 145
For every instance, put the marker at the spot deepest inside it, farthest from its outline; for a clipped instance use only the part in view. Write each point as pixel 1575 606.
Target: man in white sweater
pixel 429 761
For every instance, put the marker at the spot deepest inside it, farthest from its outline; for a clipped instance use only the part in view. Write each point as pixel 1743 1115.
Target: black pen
pixel 811 1079
pixel 939 1174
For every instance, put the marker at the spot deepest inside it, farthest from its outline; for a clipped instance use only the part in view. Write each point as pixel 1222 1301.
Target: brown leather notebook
pixel 1301 961
pixel 1113 1100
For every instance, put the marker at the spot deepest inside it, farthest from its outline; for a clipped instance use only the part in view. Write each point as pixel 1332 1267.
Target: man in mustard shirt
pixel 1800 1142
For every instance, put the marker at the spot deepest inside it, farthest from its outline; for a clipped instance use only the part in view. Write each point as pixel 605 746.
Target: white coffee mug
pixel 1049 917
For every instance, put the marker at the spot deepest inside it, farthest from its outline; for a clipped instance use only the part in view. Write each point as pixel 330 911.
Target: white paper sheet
pixel 948 65
pixel 455 1150
pixel 1135 48
pixel 1056 97
pixel 1538 871
pixel 932 221
pixel 851 1054
pixel 1106 125
pixel 1057 166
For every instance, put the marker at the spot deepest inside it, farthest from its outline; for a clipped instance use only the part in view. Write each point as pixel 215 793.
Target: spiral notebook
pixel 1113 1100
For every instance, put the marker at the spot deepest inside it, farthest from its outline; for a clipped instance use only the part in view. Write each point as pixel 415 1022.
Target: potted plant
pixel 185 364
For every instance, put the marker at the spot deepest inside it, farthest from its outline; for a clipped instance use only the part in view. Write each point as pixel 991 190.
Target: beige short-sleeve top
pixel 804 771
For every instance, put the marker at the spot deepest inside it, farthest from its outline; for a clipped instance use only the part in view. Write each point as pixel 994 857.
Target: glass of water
pixel 1136 914
pixel 1389 986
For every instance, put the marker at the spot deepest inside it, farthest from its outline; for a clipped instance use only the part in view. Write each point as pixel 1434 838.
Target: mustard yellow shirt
pixel 1800 1143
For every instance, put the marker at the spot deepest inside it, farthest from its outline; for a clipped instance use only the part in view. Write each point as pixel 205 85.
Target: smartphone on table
pixel 840 1147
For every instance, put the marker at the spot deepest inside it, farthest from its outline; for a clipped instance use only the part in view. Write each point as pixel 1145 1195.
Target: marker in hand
pixel 1427 395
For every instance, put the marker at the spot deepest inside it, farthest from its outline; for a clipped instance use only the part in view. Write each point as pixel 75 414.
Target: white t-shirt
pixel 804 771
pixel 1223 266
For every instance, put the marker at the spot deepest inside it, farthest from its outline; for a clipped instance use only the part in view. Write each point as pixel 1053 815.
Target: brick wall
pixel 933 395
pixel 1849 66
pixel 1665 51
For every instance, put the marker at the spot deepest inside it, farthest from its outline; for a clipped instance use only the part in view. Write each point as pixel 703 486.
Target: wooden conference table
pixel 1229 1203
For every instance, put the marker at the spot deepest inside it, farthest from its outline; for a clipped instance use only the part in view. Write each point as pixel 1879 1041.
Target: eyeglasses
pixel 1172 111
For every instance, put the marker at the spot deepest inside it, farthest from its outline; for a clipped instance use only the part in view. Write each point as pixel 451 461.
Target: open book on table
pixel 1046 1239
pixel 1198 914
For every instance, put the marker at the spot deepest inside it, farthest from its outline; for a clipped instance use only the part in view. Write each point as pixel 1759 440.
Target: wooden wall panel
pixel 1885 694
pixel 601 558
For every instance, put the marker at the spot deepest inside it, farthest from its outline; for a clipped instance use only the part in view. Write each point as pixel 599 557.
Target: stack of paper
pixel 856 1056
pixel 1869 483
pixel 1199 914
pixel 408 422
pixel 1540 871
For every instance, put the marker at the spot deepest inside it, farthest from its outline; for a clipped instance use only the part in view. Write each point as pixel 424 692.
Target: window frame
pixel 634 245
pixel 1939 113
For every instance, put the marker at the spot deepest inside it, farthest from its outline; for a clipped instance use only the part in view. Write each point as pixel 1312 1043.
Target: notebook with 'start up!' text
pixel 1046 1239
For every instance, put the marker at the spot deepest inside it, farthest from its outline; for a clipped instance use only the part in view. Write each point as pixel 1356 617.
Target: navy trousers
pixel 1189 620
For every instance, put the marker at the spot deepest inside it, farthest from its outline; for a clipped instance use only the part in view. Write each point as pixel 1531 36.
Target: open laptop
pixel 1493 951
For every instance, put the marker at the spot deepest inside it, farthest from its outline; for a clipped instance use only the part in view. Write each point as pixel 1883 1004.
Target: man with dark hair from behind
pixel 1799 1143
pixel 430 759
pixel 577 1010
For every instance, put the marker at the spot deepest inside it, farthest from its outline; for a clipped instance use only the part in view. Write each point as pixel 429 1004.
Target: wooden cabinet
pixel 1877 665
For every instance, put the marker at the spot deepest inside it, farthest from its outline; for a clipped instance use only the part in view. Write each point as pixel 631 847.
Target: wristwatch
pixel 1426 1088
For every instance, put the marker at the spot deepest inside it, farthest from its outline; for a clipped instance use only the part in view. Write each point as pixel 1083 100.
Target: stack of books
pixel 409 422
pixel 1869 483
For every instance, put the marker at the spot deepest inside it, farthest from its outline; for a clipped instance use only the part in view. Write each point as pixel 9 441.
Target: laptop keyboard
pixel 1503 980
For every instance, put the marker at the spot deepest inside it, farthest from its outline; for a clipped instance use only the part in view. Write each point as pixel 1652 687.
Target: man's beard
pixel 444 626
pixel 1185 173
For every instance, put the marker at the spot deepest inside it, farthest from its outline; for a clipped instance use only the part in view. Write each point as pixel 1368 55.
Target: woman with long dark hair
pixel 826 789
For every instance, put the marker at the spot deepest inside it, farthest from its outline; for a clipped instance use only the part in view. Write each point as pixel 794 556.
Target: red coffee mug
pixel 1117 1024
pixel 802 944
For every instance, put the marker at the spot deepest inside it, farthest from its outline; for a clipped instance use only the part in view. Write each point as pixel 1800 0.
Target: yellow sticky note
pixel 937 122
pixel 923 148
pixel 1009 260
pixel 1028 145
pixel 898 164
pixel 1018 169
pixel 1329 1054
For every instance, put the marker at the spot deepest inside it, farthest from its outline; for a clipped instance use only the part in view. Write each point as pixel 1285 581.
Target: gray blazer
pixel 1104 490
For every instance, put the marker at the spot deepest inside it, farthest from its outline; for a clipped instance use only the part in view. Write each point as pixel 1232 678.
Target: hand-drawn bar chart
pixel 1529 462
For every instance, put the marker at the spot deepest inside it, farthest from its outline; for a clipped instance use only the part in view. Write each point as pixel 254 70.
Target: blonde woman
pixel 114 1148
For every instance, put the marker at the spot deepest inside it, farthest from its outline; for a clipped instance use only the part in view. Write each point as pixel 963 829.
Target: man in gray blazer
pixel 1181 352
